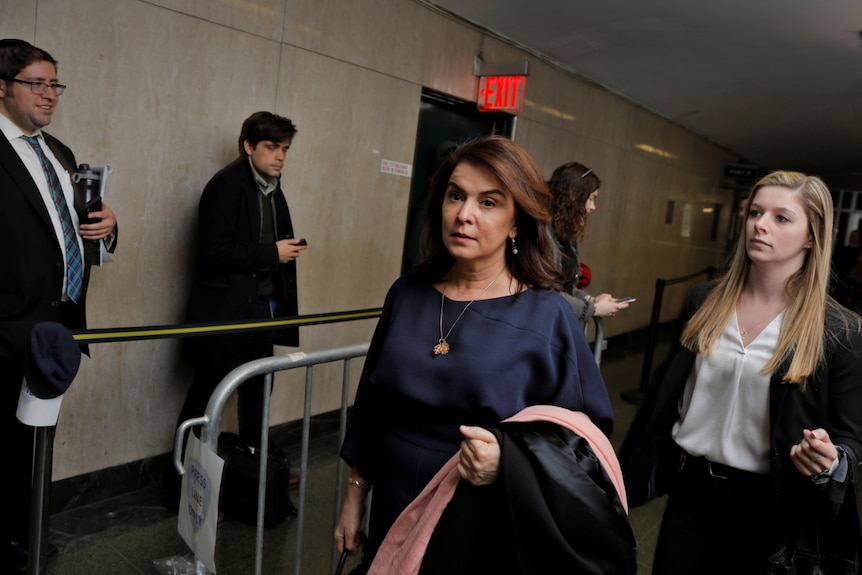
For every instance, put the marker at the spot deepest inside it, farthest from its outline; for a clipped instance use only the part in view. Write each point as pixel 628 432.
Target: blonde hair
pixel 802 331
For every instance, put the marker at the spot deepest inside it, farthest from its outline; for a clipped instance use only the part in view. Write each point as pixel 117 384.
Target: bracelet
pixel 359 484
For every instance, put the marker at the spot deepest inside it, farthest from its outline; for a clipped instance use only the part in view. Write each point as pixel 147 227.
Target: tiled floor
pixel 137 533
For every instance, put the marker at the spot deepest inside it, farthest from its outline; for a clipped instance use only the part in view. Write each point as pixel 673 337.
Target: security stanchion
pixel 636 396
pixel 51 367
pixel 40 504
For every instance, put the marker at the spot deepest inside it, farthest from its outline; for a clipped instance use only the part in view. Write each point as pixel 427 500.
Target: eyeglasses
pixel 40 88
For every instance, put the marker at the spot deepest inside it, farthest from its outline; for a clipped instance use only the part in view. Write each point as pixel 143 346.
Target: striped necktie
pixel 74 261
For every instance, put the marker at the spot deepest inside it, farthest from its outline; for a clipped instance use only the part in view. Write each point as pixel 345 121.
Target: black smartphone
pixel 625 299
pixel 302 242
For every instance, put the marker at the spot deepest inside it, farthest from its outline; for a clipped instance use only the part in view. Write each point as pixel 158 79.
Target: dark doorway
pixel 444 123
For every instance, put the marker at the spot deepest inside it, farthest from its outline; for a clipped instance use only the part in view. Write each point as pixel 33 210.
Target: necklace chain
pixel 442 347
pixel 744 332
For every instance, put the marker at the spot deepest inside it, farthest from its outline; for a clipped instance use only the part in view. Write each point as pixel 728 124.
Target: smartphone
pixel 302 242
pixel 625 299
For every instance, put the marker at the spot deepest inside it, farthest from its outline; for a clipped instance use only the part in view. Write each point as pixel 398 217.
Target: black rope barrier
pixel 636 396
pixel 105 335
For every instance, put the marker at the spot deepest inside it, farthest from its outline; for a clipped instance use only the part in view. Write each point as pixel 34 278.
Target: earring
pixel 514 248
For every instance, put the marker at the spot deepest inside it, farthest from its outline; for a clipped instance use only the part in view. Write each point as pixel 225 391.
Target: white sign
pixel 397 168
pixel 198 516
pixel 685 231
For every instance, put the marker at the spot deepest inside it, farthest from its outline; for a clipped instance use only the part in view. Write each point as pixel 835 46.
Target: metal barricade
pixel 600 344
pixel 210 424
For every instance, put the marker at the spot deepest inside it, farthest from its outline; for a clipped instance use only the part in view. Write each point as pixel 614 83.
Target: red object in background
pixel 585 277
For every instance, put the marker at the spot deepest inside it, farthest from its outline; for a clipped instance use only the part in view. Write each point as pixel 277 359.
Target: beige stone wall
pixel 159 89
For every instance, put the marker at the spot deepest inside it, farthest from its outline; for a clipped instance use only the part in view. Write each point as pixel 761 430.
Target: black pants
pixel 249 401
pixel 255 344
pixel 19 442
pixel 717 521
pixel 17 454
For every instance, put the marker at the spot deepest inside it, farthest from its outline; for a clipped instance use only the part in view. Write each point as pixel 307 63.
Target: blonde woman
pixel 755 430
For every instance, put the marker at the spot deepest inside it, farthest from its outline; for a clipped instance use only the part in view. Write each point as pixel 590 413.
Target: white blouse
pixel 724 409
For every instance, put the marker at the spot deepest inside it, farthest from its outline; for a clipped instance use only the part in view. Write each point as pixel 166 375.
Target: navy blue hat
pixel 54 360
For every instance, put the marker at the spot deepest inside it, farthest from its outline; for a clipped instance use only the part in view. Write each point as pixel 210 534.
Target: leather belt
pixel 702 466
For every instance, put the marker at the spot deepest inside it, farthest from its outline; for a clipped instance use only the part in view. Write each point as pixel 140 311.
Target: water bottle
pixel 90 184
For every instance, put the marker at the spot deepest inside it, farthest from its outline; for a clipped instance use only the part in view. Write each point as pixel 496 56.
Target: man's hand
pixel 100 230
pixel 288 250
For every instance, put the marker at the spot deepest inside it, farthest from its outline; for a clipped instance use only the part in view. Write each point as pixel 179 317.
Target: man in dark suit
pixel 45 256
pixel 246 268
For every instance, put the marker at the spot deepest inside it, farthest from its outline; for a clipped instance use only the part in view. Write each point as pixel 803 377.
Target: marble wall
pixel 159 89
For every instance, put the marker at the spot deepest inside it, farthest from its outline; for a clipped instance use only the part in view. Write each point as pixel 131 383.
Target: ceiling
pixel 778 82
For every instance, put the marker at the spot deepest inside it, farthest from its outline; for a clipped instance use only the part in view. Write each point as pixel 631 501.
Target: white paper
pixel 104 254
pixel 198 517
pixel 103 171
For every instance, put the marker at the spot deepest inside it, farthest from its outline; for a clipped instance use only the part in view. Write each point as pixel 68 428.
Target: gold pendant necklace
pixel 442 347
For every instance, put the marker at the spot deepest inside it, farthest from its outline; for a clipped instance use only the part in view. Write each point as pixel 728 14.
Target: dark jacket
pixel 31 258
pixel 569 261
pixel 832 400
pixel 553 509
pixel 230 261
pixel 558 505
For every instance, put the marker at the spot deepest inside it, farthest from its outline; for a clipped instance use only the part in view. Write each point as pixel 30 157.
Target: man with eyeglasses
pixel 45 256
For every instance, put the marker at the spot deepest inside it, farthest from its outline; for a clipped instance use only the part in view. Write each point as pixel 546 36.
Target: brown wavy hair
pixel 570 190
pixel 535 264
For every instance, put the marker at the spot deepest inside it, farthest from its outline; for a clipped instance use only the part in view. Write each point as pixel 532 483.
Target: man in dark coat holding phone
pixel 246 268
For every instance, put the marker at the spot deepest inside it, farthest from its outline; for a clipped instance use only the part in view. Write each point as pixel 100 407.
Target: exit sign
pixel 501 93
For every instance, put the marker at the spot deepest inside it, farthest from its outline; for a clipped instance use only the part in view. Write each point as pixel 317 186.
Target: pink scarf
pixel 404 547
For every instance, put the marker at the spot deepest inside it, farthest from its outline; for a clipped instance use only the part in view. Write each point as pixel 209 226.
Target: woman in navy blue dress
pixel 472 337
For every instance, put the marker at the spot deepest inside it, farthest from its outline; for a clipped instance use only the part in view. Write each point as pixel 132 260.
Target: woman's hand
pixel 479 458
pixel 815 454
pixel 347 534
pixel 606 305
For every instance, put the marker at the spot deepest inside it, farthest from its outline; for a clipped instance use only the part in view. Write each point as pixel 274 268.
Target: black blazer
pixel 230 259
pixel 832 400
pixel 31 259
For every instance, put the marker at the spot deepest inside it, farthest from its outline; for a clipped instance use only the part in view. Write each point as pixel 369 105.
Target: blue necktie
pixel 74 261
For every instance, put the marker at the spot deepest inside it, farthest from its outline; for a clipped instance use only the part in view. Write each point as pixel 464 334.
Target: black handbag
pixel 795 558
pixel 802 553
pixel 790 560
pixel 239 485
